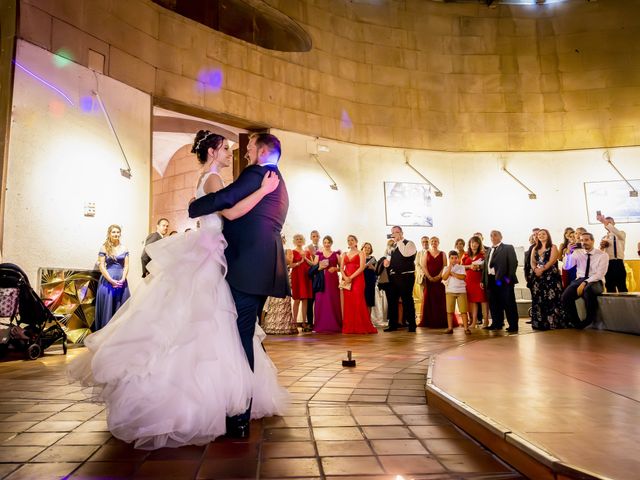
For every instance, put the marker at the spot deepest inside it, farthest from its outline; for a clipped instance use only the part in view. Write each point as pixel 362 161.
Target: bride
pixel 170 365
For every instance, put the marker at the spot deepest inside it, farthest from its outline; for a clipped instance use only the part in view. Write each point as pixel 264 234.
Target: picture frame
pixel 612 199
pixel 408 204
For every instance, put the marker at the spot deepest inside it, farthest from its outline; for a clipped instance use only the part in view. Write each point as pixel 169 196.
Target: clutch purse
pixel 344 285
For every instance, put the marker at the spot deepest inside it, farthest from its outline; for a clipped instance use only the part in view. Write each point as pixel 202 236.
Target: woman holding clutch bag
pixel 327 314
pixel 356 318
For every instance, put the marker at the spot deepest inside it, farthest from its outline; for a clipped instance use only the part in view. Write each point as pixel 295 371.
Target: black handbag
pixel 317 278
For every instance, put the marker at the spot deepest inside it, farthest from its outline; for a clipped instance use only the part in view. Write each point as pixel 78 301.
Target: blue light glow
pixel 43 81
pixel 345 120
pixel 210 79
pixel 86 104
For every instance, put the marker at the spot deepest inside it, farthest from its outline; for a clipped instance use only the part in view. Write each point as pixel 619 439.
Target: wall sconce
pixel 607 156
pixel 437 192
pixel 532 195
pixel 313 149
pixel 125 172
pixel 334 185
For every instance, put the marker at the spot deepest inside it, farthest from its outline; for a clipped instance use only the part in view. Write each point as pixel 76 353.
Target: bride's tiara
pixel 203 139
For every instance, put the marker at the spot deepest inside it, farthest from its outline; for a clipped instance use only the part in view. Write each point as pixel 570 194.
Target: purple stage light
pixel 210 79
pixel 43 81
pixel 345 120
pixel 86 104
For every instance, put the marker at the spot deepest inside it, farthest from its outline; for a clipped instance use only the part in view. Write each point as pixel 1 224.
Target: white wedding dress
pixel 169 365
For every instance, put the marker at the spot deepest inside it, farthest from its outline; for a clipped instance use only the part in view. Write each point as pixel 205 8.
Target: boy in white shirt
pixel 453 277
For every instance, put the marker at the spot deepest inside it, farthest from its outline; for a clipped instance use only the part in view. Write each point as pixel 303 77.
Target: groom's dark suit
pixel 500 286
pixel 257 267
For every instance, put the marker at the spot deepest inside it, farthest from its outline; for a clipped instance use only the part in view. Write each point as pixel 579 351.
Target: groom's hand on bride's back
pixel 270 182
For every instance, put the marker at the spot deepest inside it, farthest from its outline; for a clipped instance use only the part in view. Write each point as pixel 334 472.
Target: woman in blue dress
pixel 113 291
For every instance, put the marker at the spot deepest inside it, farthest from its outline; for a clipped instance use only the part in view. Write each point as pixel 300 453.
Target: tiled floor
pixel 577 394
pixel 368 422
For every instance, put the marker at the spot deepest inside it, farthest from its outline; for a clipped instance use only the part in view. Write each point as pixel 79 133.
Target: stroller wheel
pixel 64 347
pixel 33 351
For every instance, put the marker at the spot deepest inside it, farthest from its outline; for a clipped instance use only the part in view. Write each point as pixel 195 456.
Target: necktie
pixel 586 270
pixel 615 247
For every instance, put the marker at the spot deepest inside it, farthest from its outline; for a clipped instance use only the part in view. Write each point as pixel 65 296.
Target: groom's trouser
pixel 248 307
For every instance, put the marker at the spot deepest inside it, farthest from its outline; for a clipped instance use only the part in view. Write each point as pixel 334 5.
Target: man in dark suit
pixel 528 271
pixel 500 278
pixel 257 267
pixel 162 227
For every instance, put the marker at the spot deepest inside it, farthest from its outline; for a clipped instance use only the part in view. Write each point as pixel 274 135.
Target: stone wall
pixel 411 73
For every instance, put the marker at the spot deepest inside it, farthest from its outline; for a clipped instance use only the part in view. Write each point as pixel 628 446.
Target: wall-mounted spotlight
pixel 334 185
pixel 532 195
pixel 125 172
pixel 313 149
pixel 437 192
pixel 607 156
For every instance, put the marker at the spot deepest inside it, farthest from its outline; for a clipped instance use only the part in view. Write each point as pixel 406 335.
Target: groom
pixel 257 267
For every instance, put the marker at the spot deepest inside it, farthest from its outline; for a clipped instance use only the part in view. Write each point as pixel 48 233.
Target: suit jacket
pixel 504 261
pixel 255 255
pixel 153 237
pixel 528 272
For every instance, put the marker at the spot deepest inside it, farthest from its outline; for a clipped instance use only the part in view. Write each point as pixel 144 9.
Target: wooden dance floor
pixel 553 404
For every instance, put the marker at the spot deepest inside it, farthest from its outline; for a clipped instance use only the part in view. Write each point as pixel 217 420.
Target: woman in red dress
pixel 434 307
pixel 473 261
pixel 356 317
pixel 300 282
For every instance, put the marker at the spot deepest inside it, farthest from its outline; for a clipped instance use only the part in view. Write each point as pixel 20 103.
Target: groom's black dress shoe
pixel 238 431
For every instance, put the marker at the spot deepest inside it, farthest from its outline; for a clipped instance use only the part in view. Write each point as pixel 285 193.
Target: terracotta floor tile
pixel 332 421
pixel 398 447
pixel 48 407
pixel 331 448
pixel 288 450
pixel 351 465
pixel 411 464
pixel 286 434
pixel 189 452
pixel 484 463
pixel 104 471
pixel 65 453
pixel 84 438
pixel 368 398
pixel 47 426
pixel 93 426
pixel 15 426
pixel 27 417
pixel 34 439
pixel 378 420
pixel 19 454
pixel 337 433
pixel 374 433
pixel 323 411
pixel 461 446
pixel 43 471
pixel 227 448
pixel 436 431
pixel 290 422
pixel 7 468
pixel 174 469
pixel 74 416
pixel 118 453
pixel 289 467
pixel 425 420
pixel 371 410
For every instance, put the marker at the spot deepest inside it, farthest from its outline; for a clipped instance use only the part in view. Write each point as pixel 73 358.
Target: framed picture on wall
pixel 408 204
pixel 613 200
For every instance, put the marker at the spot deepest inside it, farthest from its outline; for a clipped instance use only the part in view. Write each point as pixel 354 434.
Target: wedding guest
pixel 327 314
pixel 473 261
pixel 528 273
pixel 546 285
pixel 592 265
pixel 459 247
pixel 356 317
pixel 113 289
pixel 313 248
pixel 384 285
pixel 301 290
pixel 162 227
pixel 278 317
pixel 434 307
pixel 418 286
pixel 481 317
pixel 369 276
pixel 402 275
pixel 453 277
pixel 567 246
pixel 500 279
pixel 613 243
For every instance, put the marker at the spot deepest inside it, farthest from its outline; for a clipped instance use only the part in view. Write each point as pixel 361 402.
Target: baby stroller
pixel 32 327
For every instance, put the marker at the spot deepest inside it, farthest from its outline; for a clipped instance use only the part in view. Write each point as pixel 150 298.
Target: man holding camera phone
pixel 613 245
pixel 400 263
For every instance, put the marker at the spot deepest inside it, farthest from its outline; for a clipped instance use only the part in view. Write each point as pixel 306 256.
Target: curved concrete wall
pixel 412 73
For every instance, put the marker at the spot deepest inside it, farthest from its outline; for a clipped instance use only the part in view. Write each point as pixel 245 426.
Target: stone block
pixel 549 83
pixel 178 88
pixel 553 102
pixel 35 25
pixel 585 80
pixel 131 70
pixel 76 42
pixel 144 16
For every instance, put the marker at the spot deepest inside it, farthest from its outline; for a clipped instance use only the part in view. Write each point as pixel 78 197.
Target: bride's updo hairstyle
pixel 203 141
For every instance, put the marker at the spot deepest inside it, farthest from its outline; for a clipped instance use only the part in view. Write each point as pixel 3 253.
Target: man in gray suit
pixel 500 279
pixel 162 227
